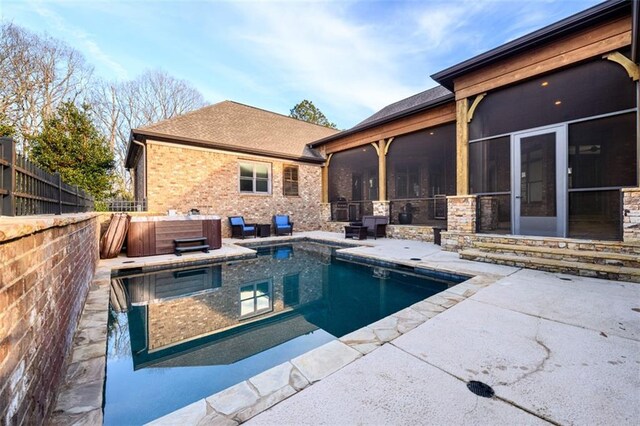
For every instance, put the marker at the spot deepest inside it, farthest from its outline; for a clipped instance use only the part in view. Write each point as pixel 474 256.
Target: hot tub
pixel 153 235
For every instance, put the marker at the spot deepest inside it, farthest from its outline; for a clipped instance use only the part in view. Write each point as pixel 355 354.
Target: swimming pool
pixel 179 335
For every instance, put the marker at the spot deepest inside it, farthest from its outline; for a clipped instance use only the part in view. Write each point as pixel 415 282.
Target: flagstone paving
pixel 555 348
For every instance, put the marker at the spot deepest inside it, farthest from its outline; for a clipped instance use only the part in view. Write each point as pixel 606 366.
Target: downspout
pixel 144 159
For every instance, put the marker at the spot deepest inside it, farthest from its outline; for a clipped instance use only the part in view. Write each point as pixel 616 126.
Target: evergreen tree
pixel 6 128
pixel 71 145
pixel 307 111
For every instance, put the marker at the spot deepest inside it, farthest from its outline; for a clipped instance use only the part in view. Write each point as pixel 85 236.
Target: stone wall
pixel 631 221
pixel 46 267
pixel 461 213
pixel 182 178
pixel 381 208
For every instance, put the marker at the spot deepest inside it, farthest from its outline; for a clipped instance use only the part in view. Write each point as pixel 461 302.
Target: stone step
pixel 570 255
pixel 612 272
pixel 557 242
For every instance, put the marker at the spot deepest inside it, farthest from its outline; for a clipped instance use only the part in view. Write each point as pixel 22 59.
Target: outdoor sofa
pixel 376 225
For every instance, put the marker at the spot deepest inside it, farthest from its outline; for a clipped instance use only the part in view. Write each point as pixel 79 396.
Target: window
pixel 255 178
pixel 255 298
pixel 290 181
pixel 407 181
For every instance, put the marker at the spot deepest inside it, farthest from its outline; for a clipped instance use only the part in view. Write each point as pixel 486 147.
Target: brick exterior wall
pixel 138 179
pixel 45 277
pixel 183 178
pixel 631 221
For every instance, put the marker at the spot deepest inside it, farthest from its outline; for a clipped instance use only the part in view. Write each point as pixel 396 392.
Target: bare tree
pixel 151 97
pixel 36 74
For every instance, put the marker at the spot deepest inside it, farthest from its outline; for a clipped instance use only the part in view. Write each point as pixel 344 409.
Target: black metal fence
pixel 118 205
pixel 26 189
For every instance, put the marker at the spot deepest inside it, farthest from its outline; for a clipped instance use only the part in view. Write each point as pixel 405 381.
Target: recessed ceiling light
pixel 557 102
pixel 431 133
pixel 544 83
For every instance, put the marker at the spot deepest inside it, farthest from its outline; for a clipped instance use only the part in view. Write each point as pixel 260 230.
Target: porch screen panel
pixel 595 215
pixel 490 176
pixel 603 152
pixel 586 90
pixel 353 182
pixel 602 159
pixel 421 172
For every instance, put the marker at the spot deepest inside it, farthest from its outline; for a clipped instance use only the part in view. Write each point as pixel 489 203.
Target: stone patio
pixel 555 348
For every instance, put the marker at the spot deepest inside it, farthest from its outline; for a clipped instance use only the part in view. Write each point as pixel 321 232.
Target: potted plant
pixel 405 217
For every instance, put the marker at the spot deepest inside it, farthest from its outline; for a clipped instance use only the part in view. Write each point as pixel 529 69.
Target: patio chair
pixel 282 225
pixel 239 229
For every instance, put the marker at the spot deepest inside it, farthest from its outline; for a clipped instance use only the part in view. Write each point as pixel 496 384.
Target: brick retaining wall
pixel 46 266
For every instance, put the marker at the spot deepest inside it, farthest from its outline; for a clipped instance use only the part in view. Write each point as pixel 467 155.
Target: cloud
pixel 315 48
pixel 82 39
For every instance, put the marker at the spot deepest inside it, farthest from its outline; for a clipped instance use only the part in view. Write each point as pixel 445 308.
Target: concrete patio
pixel 555 348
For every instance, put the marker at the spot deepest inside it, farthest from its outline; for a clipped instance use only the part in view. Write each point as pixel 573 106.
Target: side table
pixel 264 230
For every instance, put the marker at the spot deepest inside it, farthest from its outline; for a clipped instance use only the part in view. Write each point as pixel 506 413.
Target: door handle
pixel 518 196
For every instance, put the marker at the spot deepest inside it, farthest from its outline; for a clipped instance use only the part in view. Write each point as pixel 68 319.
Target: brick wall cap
pixel 630 189
pixel 20 226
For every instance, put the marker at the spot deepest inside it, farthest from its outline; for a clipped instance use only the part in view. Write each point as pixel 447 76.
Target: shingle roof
pixel 416 100
pixel 411 105
pixel 243 127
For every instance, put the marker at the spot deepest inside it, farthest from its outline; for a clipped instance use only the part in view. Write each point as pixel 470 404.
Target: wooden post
pixel 462 147
pixel 77 202
pixel 382 171
pixel 8 177
pixel 325 179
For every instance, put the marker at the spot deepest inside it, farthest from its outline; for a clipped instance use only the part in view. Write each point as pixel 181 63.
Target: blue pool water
pixel 176 336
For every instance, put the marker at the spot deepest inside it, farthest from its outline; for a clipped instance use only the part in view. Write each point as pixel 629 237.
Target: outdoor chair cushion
pixel 282 221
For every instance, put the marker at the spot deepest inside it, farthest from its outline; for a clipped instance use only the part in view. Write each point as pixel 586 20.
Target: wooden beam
pixel 632 68
pixel 462 147
pixel 474 105
pixel 584 45
pixel 387 145
pixel 434 117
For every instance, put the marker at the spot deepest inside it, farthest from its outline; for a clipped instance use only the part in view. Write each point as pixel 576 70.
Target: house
pixel 230 159
pixel 536 138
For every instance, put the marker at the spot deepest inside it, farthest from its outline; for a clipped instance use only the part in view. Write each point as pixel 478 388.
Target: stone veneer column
pixel 381 208
pixel 461 213
pixel 631 220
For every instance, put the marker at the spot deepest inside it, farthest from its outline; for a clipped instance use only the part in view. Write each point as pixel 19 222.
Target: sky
pixel 350 58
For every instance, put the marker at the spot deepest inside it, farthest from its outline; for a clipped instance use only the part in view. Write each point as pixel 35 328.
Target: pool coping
pixel 81 396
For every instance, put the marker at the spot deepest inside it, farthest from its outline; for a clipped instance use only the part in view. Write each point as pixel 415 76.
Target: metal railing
pixel 350 211
pixel 431 211
pixel 118 205
pixel 25 189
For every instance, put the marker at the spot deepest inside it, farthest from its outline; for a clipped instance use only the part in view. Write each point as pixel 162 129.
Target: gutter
pixel 222 147
pixel 572 24
pixel 405 113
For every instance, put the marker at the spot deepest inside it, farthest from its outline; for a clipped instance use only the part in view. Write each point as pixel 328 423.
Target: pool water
pixel 180 335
